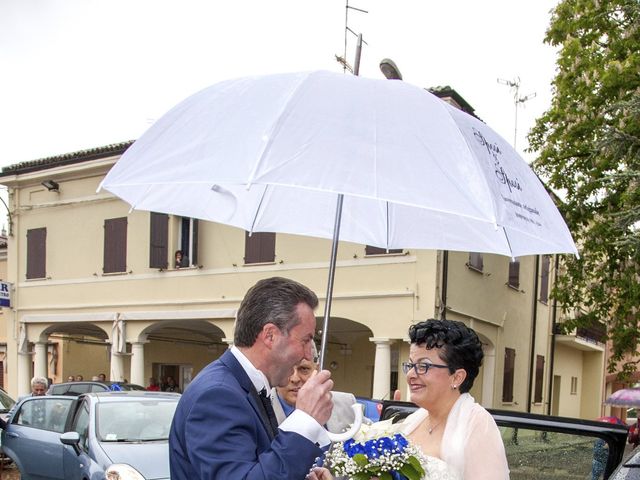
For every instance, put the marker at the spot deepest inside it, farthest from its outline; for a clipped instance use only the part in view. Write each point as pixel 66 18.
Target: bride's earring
pixel 453 387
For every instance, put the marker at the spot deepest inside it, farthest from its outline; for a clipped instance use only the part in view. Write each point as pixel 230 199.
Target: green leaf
pixel 360 459
pixel 385 476
pixel 410 472
pixel 413 461
pixel 361 476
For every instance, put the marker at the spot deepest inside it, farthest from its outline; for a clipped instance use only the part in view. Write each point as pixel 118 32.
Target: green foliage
pixel 589 151
pixel 412 472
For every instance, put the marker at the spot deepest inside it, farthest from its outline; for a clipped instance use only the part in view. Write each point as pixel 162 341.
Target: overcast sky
pixel 79 74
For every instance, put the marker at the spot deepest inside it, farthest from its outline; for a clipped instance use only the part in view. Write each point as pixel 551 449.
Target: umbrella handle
pixel 343 437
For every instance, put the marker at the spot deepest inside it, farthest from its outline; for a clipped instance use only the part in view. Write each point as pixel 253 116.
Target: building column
pixel 24 373
pixel 116 372
pixel 488 380
pixel 381 368
pixel 137 363
pixel 40 360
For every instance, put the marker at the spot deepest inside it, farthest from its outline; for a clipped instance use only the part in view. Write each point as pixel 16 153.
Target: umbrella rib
pixel 387 204
pixel 255 216
pixel 506 237
pixel 275 127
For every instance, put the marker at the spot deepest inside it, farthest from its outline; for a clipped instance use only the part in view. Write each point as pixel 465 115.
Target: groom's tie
pixel 271 415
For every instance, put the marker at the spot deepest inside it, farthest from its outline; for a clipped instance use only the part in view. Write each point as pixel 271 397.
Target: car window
pixel 58 390
pixel 98 388
pixel 543 454
pixel 81 425
pixel 78 388
pixel 44 413
pixel 142 420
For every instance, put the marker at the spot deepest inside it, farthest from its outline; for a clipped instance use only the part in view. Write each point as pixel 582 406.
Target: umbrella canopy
pixel 273 153
pixel 625 397
pixel 376 162
pixel 611 419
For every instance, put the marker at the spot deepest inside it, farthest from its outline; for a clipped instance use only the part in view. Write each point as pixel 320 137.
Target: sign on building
pixel 5 294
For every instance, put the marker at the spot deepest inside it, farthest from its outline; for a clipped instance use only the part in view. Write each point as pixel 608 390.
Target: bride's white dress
pixel 471 448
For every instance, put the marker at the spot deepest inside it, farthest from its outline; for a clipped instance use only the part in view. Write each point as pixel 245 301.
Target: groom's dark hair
pixel 461 347
pixel 272 300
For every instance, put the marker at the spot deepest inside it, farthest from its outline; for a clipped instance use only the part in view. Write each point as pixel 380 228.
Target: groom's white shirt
pixel 342 415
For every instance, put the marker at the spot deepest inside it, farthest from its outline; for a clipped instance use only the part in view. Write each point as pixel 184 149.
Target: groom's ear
pixel 268 334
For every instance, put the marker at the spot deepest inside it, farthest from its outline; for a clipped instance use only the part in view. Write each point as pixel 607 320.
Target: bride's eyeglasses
pixel 420 368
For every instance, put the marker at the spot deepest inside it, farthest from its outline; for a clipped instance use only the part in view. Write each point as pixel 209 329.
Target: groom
pixel 224 426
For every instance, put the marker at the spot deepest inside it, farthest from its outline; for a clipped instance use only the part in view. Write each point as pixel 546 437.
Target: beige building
pixel 95 289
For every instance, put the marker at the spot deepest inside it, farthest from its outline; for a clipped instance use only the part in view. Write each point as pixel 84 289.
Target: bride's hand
pixel 319 473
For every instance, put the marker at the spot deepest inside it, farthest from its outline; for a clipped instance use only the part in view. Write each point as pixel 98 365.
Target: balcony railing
pixel 592 334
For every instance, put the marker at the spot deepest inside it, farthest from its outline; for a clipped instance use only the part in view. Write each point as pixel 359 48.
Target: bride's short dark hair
pixel 461 347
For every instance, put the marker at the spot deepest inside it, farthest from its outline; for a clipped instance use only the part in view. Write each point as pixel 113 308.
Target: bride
pixel 457 436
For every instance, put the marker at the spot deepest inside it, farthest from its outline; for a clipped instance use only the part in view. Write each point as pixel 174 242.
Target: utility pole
pixel 517 101
pixel 342 60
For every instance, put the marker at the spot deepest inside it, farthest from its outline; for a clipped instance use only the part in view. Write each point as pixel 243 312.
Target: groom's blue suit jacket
pixel 220 431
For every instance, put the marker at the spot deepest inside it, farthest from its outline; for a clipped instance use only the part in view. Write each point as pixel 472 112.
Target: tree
pixel 589 152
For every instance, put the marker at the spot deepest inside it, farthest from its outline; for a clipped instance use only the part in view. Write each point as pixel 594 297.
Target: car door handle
pixel 12 434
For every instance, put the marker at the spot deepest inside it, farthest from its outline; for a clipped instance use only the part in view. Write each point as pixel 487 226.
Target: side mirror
pixel 343 437
pixel 72 439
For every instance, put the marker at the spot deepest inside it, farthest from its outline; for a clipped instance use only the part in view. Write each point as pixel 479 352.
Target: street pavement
pixel 10 472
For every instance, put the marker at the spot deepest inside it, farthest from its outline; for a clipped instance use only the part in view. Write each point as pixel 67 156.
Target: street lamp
pixel 390 69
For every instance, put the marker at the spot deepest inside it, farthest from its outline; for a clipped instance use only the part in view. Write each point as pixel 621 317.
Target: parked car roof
pixel 78 388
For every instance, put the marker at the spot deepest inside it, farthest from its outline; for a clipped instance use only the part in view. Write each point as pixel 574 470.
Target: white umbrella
pixel 277 153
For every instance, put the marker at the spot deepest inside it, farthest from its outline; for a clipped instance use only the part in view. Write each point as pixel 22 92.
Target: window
pixel 509 373
pixel 81 425
pixel 475 261
pixel 36 253
pixel 189 241
pixel 514 273
pixel 259 247
pixel 544 279
pixel 45 413
pixel 158 240
pixel 574 385
pixel 370 250
pixel 115 245
pixel 537 395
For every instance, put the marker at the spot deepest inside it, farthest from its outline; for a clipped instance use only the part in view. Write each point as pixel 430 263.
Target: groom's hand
pixel 314 397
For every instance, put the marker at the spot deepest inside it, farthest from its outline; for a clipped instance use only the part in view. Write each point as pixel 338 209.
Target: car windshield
pixel 135 421
pixel 6 402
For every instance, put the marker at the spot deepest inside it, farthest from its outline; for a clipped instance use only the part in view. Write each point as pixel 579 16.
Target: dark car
pixel 543 446
pixel 78 388
pixel 629 469
pixel 6 403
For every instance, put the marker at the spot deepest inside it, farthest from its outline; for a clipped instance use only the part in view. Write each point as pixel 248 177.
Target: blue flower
pixel 370 449
pixel 385 444
pixel 351 448
pixel 402 441
pixel 397 475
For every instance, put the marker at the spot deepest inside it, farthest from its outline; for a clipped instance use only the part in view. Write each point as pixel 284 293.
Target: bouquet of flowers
pixel 377 450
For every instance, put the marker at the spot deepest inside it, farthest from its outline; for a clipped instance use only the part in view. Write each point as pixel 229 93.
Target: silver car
pixel 120 434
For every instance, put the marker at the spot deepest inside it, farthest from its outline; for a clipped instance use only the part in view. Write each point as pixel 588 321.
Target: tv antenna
pixel 343 60
pixel 517 101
